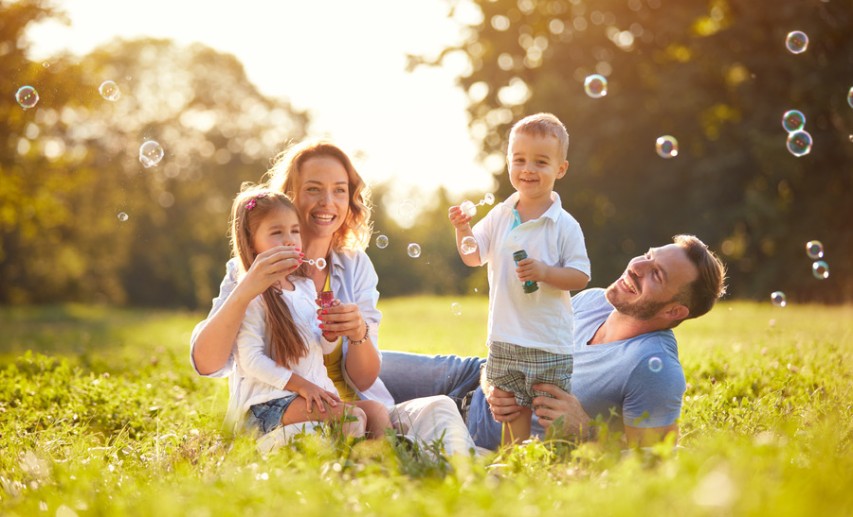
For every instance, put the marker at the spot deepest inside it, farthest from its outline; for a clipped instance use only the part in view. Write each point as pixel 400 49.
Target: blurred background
pixel 423 97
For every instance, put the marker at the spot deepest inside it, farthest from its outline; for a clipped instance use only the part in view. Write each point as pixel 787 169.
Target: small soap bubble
pixel 797 42
pixel 456 309
pixel 27 97
pixel 799 143
pixel 319 263
pixel 382 242
pixel 793 120
pixel 468 208
pixel 850 97
pixel 489 198
pixel 820 270
pixel 814 249
pixel 595 86
pixel 468 245
pixel 150 153
pixel 122 216
pixel 110 91
pixel 655 364
pixel 778 299
pixel 414 250
pixel 666 146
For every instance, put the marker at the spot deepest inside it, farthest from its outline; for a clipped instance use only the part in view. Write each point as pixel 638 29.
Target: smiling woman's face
pixel 322 197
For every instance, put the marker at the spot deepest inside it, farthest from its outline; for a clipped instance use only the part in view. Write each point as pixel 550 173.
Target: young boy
pixel 530 309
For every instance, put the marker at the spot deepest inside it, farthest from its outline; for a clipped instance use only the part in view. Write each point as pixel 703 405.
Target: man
pixel 626 368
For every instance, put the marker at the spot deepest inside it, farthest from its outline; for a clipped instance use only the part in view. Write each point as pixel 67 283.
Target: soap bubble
pixel 595 86
pixel 799 143
pixel 456 309
pixel 793 120
pixel 778 299
pixel 820 270
pixel 27 97
pixel 468 208
pixel 814 249
pixel 382 242
pixel 414 250
pixel 850 96
pixel 468 245
pixel 319 263
pixel 110 91
pixel 655 364
pixel 666 146
pixel 122 216
pixel 797 42
pixel 150 153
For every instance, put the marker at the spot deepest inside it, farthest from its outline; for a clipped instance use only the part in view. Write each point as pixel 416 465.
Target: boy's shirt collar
pixel 552 213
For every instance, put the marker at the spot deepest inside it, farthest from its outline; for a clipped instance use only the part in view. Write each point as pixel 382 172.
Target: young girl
pixel 279 376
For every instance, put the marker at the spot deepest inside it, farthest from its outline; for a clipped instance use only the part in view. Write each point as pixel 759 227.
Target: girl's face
pixel 280 227
pixel 322 196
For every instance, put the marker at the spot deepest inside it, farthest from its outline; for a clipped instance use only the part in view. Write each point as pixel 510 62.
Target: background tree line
pixel 714 75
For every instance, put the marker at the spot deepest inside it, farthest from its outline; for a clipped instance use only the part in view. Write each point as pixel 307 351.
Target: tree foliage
pixel 718 77
pixel 69 167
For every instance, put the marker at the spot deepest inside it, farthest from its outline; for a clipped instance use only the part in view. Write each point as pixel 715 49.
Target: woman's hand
pixel 271 267
pixel 342 319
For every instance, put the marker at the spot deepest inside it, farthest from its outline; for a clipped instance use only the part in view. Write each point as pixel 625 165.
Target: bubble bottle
pixel 529 286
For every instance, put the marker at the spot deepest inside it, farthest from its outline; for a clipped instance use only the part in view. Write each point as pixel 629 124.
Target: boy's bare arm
pixel 461 223
pixel 563 278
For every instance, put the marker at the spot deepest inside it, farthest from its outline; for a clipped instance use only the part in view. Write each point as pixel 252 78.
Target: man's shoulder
pixel 590 298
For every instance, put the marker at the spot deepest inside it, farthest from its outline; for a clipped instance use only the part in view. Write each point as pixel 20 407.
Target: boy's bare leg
pixel 297 413
pixel 378 420
pixel 518 430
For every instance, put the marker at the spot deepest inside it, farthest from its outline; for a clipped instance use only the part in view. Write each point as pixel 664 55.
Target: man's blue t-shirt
pixel 637 382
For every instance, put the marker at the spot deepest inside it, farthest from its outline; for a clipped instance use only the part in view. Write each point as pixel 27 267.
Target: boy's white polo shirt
pixel 542 319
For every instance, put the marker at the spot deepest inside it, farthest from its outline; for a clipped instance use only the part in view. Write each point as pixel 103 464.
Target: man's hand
pixel 563 408
pixel 502 404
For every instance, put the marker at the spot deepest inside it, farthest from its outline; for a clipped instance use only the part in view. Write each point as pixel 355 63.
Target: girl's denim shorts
pixel 266 416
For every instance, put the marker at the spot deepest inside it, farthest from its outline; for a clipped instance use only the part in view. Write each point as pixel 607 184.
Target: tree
pixel 716 76
pixel 82 218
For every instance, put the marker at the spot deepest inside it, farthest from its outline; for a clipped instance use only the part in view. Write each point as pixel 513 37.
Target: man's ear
pixel 676 312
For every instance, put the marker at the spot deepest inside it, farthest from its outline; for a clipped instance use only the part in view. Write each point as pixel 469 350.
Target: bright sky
pixel 342 60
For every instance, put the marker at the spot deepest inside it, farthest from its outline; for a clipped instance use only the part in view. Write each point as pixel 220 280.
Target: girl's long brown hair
pixel 287 344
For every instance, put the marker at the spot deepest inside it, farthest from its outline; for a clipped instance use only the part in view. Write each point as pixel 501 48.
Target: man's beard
pixel 643 311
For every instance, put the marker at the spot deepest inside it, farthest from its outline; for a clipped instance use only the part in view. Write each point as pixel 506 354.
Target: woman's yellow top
pixel 333 361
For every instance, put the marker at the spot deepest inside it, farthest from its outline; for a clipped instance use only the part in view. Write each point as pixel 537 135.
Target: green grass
pixel 100 414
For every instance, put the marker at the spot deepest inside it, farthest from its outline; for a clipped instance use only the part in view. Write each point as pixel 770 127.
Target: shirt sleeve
pixel 366 296
pixel 654 391
pixel 229 282
pixel 573 250
pixel 252 356
pixel 483 231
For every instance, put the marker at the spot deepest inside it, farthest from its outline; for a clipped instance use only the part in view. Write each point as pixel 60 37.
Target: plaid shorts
pixel 517 368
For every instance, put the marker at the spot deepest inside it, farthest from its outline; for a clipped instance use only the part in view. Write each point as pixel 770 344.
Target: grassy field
pixel 100 414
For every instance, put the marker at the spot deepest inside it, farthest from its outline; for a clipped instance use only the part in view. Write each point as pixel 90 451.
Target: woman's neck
pixel 314 248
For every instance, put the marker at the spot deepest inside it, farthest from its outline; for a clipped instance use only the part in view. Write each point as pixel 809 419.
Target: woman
pixel 330 198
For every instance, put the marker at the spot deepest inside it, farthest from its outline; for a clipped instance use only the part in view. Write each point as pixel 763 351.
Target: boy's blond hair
pixel 543 124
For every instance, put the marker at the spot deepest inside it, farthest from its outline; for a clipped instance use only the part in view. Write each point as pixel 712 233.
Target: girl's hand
pixel 531 269
pixel 271 267
pixel 342 319
pixel 315 395
pixel 458 219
